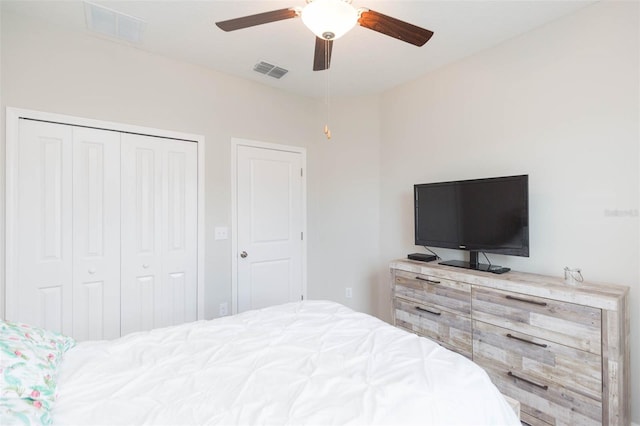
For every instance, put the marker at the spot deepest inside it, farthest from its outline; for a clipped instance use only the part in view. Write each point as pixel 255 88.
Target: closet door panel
pixel 141 218
pixel 96 234
pixel 180 236
pixel 42 295
pixel 159 232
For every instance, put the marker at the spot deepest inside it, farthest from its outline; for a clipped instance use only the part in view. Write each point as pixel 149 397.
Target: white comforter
pixel 301 363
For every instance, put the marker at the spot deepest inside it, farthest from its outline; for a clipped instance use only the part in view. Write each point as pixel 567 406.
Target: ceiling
pixel 363 62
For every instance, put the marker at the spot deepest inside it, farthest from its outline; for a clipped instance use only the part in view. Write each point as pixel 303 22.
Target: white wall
pixel 561 104
pixel 340 210
pixel 48 69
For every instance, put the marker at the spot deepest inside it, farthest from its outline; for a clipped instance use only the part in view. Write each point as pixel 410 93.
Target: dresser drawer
pixel 539 360
pixel 527 420
pixel 442 293
pixel 572 325
pixel 554 405
pixel 449 329
pixel 554 383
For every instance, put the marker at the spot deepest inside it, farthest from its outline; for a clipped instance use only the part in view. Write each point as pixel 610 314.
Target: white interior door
pixel 159 232
pixel 44 227
pixel 269 227
pixel 96 234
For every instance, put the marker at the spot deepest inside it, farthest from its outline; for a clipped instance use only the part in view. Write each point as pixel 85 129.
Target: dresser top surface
pixel 604 296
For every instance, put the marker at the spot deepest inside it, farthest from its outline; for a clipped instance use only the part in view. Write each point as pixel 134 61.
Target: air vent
pixel 263 67
pixel 277 72
pixel 269 69
pixel 113 24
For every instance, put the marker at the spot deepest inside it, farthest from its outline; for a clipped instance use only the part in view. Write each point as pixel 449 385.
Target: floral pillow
pixel 29 360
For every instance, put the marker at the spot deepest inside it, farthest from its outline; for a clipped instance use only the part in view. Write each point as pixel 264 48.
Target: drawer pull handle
pixel 511 336
pixel 533 302
pixel 418 308
pixel 543 387
pixel 428 280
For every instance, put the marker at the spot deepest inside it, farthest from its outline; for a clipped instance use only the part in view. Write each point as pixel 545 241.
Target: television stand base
pixel 494 269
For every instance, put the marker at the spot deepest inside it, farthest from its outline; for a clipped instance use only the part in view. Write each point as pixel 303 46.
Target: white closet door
pixel 96 234
pixel 159 232
pixel 44 228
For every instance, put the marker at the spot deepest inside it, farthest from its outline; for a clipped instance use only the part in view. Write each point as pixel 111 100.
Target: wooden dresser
pixel 561 351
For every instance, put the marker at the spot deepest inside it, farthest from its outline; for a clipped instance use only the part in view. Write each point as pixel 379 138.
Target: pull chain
pixel 327 131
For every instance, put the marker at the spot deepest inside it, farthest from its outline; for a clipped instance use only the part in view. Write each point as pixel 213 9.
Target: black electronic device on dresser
pixel 422 257
pixel 479 215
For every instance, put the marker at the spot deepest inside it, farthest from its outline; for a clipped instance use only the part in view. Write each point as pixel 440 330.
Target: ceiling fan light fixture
pixel 329 19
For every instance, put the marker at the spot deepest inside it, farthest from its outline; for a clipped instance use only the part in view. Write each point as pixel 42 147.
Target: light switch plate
pixel 221 233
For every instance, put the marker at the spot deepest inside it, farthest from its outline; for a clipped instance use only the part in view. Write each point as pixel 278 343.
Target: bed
pixel 312 362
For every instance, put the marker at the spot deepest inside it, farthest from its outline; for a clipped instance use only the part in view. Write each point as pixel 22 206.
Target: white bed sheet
pixel 313 362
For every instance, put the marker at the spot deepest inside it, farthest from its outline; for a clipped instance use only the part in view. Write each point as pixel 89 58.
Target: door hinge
pixel 302 297
pixel 301 174
pixel 302 236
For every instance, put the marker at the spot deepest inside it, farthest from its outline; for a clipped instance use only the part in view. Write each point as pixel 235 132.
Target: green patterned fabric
pixel 29 360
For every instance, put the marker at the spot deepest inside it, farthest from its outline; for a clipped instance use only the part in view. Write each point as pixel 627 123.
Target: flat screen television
pixel 480 215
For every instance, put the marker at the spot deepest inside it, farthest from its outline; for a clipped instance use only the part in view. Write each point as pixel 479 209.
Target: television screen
pixel 481 215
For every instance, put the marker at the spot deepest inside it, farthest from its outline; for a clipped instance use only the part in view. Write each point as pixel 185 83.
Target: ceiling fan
pixel 331 19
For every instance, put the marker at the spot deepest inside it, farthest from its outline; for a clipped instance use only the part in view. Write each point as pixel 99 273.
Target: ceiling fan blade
pixel 322 55
pixel 258 19
pixel 394 27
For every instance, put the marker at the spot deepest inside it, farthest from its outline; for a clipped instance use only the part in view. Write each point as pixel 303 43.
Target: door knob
pixel 145 266
pixel 91 271
pixel 243 254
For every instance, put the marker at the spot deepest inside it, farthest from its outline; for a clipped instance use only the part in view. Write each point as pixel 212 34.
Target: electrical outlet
pixel 348 292
pixel 223 309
